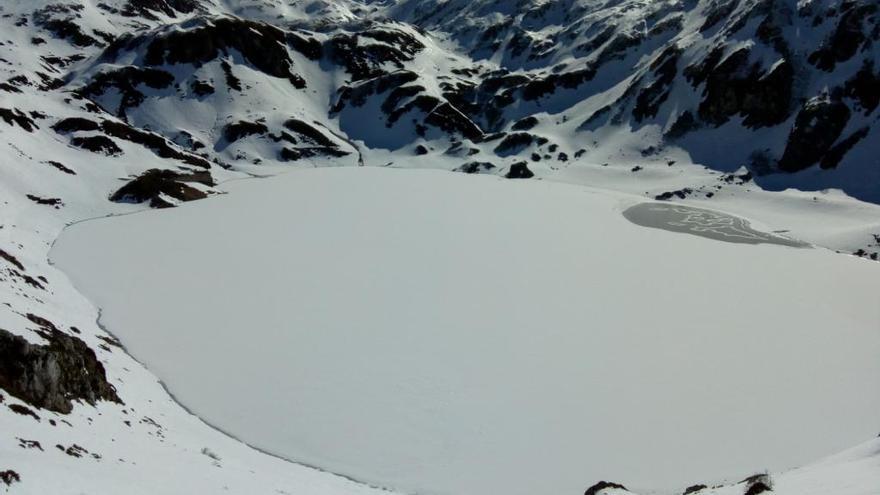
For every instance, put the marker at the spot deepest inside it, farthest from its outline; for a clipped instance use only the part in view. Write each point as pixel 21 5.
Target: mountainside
pixel 110 107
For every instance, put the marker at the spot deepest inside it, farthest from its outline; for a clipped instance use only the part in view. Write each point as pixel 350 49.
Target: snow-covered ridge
pixel 552 90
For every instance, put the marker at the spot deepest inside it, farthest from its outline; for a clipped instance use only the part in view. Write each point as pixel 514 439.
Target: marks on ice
pixel 703 223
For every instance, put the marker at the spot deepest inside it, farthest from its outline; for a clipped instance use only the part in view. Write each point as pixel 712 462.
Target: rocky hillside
pixel 113 106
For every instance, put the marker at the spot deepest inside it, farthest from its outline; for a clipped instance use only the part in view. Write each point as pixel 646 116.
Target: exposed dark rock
pixel 736 87
pixel 654 94
pixel 694 489
pixel 757 483
pixel 148 8
pixel 718 11
pixel 232 82
pixel 834 155
pixel 602 485
pixel 73 451
pixel 127 80
pixel 54 375
pixel 847 37
pixel 242 129
pixel 309 132
pixel 22 410
pixel 262 45
pixel 519 170
pixel 9 477
pixel 539 87
pixel 514 143
pixel 61 21
pixel 15 116
pixel 294 154
pixel 864 87
pixel 62 62
pixel 97 144
pixel 736 179
pixel 60 166
pixel 56 202
pixel 420 150
pixel 525 124
pixel 817 126
pixel 446 117
pixel 29 444
pixel 289 155
pixel 365 60
pixel 201 88
pixel 310 47
pixel 680 194
pixel 475 167
pixel 11 259
pixel 684 124
pixel 757 487
pixel 156 143
pixel 152 184
pixel 74 124
pixel 356 95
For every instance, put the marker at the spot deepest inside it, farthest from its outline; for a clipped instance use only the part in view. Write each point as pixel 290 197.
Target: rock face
pixel 817 126
pixel 365 54
pixel 149 8
pixel 734 86
pixel 153 184
pixel 519 170
pixel 54 375
pixel 262 45
pixel 848 36
pixel 603 485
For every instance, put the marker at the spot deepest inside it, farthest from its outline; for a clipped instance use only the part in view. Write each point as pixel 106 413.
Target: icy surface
pixel 704 223
pixel 443 333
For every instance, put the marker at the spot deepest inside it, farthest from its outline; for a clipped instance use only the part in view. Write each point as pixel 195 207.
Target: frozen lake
pixel 449 334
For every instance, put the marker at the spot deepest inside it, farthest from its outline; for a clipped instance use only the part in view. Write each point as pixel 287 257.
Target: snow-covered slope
pixel 113 106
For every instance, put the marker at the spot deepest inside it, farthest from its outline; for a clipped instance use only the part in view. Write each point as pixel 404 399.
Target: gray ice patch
pixel 704 223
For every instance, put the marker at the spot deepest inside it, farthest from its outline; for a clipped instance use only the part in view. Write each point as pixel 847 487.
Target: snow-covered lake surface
pixel 451 334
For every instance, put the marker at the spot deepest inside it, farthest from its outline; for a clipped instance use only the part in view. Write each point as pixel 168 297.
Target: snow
pixel 171 456
pixel 442 333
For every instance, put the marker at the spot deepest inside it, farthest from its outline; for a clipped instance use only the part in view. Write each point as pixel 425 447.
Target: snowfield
pixel 451 334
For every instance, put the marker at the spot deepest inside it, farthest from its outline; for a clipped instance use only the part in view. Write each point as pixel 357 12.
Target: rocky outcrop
pixel 55 375
pixel 149 8
pixel 152 141
pixel 97 144
pixel 126 80
pixel 864 87
pixel 365 54
pixel 14 116
pixel 655 93
pixel 736 86
pixel 519 170
pixel 603 485
pixel 476 168
pixel 239 130
pixel 848 36
pixel 817 126
pixel 308 133
pixel 62 21
pixel 514 143
pixel 262 45
pixel 153 184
